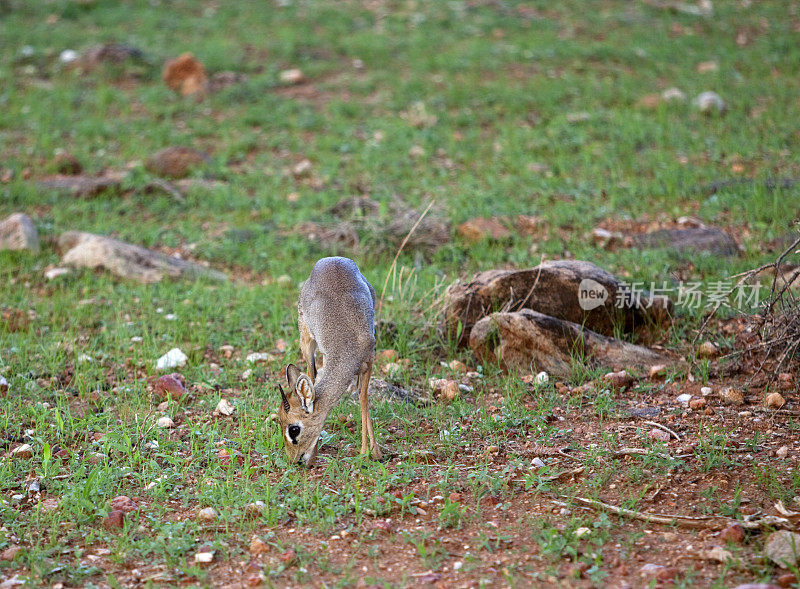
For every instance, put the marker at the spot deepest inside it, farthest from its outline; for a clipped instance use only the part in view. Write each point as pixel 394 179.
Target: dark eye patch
pixel 294 431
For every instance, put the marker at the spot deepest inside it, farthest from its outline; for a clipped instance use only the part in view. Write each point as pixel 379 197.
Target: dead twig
pixel 168 187
pixel 751 522
pixel 664 428
pixel 645 452
pixel 564 474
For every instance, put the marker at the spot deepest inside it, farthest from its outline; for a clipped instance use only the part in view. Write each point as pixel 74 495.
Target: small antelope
pixel 337 315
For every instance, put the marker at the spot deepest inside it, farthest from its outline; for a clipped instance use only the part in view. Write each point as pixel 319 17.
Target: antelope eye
pixel 294 431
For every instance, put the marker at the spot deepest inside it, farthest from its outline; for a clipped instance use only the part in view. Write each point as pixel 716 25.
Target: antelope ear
pixel 305 392
pixel 284 400
pixel 292 374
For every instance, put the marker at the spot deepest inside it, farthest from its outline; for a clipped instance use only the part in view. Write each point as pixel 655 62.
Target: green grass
pixel 485 90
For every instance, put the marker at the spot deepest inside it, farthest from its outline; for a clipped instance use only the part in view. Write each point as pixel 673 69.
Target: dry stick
pixel 644 452
pixel 555 477
pixel 665 428
pixel 402 245
pixel 167 187
pixel 703 521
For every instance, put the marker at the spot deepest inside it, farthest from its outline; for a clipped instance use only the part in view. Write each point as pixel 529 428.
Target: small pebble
pixel 733 533
pixel 707 350
pixel 204 557
pixel 775 401
pixel 207 514
pixel 258 546
pixel 225 407
pixel 659 435
pixel 710 102
pixel 697 404
pixel 165 422
pixel 292 76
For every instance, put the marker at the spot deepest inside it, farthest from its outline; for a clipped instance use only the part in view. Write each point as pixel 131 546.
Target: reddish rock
pixel 185 75
pixel 175 162
pixel 455 497
pixel 479 228
pixel 787 580
pixel 733 533
pixel 288 557
pixel 114 520
pixel 169 386
pixel 659 435
pixel 123 503
pixel 10 553
pixel 258 546
pixel 697 404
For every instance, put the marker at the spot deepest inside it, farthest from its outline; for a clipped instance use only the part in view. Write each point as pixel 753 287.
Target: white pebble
pixel 671 94
pixel 56 272
pixel 68 56
pixel 172 359
pixel 224 406
pixel 204 557
pixel 165 422
pixel 207 514
pixel 710 101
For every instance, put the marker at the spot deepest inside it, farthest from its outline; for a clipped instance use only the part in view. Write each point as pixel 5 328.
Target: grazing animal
pixel 337 315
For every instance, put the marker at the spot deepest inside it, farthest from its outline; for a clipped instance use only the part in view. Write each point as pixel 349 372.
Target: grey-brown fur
pixel 336 315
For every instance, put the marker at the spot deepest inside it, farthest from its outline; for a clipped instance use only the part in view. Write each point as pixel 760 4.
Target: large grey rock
pixel 529 341
pixel 782 548
pixel 18 232
pixel 125 260
pixel 560 289
pixel 705 240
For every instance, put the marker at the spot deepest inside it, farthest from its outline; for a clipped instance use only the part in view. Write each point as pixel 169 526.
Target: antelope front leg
pixel 366 422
